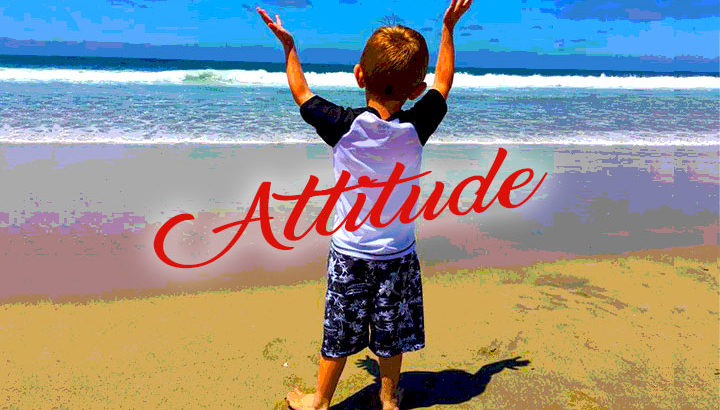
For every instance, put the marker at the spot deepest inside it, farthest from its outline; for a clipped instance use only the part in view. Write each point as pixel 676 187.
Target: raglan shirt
pixel 366 145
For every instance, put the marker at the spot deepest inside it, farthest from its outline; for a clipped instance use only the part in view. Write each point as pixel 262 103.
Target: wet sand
pixel 77 222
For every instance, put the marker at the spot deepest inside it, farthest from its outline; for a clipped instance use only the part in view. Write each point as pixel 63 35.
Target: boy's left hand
pixel 276 26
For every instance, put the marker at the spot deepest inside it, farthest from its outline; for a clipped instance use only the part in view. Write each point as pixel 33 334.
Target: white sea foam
pixel 343 79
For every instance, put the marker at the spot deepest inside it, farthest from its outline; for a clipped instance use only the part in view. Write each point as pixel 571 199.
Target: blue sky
pixel 592 27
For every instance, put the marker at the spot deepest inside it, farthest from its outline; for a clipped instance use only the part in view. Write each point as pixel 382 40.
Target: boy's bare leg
pixel 389 377
pixel 328 375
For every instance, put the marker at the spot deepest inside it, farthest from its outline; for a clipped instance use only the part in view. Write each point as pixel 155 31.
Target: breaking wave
pixel 344 79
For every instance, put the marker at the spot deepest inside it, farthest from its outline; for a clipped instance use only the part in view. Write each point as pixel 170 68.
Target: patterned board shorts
pixel 375 300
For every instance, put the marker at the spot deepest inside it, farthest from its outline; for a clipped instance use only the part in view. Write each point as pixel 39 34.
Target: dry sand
pixel 636 331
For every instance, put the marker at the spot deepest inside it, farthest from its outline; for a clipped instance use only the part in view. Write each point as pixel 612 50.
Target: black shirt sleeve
pixel 427 114
pixel 330 121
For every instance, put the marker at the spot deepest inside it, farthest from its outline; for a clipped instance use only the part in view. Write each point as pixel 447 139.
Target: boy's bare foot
pixel 393 403
pixel 298 400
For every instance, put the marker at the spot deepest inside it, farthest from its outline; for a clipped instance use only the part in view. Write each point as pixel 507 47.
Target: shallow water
pixel 148 113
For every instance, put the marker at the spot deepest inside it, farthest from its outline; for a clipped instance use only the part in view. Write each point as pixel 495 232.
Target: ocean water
pixel 75 100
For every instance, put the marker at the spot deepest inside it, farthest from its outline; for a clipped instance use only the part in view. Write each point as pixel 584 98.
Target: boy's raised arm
pixel 445 68
pixel 296 78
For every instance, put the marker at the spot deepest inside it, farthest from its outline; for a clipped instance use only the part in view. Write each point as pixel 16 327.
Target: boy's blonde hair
pixel 394 62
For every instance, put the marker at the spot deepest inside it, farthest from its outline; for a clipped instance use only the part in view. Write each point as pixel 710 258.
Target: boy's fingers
pixel 277 18
pixel 458 6
pixel 264 16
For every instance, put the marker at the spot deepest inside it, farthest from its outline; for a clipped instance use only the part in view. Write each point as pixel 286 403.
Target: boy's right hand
pixel 296 78
pixel 455 11
pixel 276 26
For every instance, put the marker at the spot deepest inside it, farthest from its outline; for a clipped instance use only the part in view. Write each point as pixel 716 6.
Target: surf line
pixel 428 210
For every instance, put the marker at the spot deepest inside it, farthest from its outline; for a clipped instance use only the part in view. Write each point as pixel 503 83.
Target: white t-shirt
pixel 366 145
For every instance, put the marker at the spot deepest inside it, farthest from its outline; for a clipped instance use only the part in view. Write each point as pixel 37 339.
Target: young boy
pixel 373 272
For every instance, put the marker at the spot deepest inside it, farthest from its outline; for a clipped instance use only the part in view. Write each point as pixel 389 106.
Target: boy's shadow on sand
pixel 425 389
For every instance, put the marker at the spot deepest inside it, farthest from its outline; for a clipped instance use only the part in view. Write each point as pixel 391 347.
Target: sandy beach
pixel 601 292
pixel 631 331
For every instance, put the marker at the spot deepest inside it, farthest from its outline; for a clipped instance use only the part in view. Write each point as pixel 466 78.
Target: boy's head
pixel 394 64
